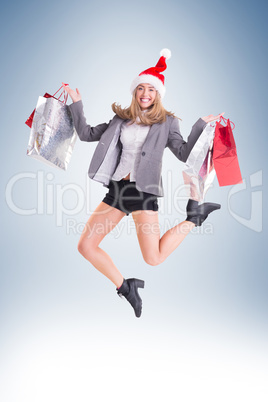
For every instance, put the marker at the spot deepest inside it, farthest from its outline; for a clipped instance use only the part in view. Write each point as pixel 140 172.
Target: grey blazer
pixel 108 151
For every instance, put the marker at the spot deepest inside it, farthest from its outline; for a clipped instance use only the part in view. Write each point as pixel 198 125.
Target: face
pixel 145 95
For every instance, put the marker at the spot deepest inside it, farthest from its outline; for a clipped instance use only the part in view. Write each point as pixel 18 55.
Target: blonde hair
pixel 156 113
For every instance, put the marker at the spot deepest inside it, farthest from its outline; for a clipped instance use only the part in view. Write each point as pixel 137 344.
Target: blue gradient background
pixel 65 334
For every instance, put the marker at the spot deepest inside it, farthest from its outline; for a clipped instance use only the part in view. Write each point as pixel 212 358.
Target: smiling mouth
pixel 145 100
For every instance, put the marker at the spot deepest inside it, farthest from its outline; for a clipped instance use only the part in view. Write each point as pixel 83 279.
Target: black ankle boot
pixel 198 213
pixel 129 289
pixel 192 204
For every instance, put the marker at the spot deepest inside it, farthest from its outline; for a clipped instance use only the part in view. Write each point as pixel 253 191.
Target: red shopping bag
pixel 29 121
pixel 225 158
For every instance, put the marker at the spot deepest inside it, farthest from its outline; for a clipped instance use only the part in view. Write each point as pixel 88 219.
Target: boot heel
pixel 213 205
pixel 139 283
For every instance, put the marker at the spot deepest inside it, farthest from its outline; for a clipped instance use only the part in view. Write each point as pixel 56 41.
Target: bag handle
pixel 63 92
pixel 225 121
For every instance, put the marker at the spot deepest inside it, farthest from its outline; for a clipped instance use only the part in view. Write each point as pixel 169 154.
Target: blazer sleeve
pixel 180 148
pixel 85 131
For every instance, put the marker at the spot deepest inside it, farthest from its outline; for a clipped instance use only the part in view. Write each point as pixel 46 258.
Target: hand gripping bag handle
pixel 225 121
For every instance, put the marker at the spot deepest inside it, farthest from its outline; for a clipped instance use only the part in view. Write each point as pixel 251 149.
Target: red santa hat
pixel 152 75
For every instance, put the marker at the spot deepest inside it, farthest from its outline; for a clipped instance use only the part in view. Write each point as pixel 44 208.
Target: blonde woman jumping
pixel 128 161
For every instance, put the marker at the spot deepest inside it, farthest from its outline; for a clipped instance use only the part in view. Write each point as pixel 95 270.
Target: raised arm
pixel 84 130
pixel 180 148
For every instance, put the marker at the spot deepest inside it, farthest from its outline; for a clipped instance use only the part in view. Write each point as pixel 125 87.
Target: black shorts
pixel 125 196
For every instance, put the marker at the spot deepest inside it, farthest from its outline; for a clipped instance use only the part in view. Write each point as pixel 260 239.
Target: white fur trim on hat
pixel 148 79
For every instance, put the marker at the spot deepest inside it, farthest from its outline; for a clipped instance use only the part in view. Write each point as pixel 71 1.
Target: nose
pixel 145 92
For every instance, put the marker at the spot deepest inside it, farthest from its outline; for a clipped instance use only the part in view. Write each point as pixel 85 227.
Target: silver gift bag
pixel 53 135
pixel 200 149
pixel 200 173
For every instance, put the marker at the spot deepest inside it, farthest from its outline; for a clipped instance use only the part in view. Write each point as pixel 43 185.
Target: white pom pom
pixel 166 53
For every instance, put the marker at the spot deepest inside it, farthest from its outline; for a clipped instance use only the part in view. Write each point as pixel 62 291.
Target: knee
pixel 81 247
pixel 84 247
pixel 153 260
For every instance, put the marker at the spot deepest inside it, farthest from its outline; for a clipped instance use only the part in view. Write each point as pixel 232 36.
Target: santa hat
pixel 152 75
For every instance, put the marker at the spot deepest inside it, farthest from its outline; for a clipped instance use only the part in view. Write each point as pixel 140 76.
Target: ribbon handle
pixel 225 121
pixel 63 92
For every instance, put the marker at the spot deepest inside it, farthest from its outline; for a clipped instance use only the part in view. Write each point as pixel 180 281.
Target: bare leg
pixel 100 223
pixel 154 249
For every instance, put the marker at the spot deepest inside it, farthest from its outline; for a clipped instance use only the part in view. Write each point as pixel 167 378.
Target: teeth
pixel 145 100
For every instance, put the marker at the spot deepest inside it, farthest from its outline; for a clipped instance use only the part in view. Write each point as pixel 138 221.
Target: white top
pixel 132 137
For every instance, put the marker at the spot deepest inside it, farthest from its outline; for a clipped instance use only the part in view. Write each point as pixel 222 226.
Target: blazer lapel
pixel 149 139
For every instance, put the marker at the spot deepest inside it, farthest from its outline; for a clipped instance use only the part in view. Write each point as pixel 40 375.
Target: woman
pixel 128 161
